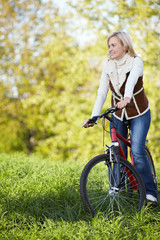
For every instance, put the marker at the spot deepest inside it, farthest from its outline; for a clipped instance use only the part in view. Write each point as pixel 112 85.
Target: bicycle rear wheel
pixel 100 194
pixel 149 156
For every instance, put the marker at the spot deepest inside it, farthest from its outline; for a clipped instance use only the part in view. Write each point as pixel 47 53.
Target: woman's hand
pixel 122 104
pixel 87 125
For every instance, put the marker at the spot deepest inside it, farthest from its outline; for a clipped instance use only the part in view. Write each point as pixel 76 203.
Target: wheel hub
pixel 113 191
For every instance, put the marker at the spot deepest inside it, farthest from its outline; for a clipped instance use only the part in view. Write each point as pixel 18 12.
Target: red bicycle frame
pixel 115 136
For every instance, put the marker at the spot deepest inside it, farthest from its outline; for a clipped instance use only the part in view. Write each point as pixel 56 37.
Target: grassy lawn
pixel 39 199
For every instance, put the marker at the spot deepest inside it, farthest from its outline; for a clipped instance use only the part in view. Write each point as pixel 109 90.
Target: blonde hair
pixel 125 40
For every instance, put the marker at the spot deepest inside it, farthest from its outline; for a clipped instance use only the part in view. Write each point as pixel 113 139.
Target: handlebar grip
pixel 91 120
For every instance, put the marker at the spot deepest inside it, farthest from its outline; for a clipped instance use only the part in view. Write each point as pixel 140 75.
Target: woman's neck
pixel 122 61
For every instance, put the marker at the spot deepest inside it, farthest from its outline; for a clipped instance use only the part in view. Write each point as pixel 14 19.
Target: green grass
pixel 39 199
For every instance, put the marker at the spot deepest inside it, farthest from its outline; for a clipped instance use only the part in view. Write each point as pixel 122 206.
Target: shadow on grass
pixel 65 205
pixel 57 206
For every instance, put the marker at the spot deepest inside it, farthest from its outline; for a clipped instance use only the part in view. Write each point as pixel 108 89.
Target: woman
pixel 123 74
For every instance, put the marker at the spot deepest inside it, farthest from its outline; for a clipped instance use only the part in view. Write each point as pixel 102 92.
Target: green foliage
pixel 49 82
pixel 40 200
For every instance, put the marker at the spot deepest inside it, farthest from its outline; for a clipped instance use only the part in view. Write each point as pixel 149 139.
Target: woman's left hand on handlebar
pixel 122 104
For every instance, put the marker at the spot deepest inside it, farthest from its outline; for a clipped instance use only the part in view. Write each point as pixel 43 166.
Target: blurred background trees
pixel 51 58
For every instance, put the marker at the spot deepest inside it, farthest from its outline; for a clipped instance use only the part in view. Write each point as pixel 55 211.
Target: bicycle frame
pixel 115 136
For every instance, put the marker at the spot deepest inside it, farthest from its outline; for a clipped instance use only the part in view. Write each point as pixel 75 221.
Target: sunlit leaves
pixel 49 79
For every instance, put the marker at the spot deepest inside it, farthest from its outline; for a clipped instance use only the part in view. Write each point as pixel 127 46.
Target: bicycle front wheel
pixel 101 194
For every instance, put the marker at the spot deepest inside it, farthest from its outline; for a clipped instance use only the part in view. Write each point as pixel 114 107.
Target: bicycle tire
pixel 149 156
pixel 96 196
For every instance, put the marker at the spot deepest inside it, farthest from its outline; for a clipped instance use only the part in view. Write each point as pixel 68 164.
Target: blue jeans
pixel 139 127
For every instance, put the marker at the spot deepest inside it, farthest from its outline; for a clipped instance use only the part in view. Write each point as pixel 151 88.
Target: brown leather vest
pixel 139 103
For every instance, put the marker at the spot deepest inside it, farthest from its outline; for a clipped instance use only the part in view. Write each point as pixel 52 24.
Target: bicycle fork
pixel 113 168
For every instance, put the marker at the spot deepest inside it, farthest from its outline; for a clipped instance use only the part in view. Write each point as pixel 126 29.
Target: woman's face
pixel 116 49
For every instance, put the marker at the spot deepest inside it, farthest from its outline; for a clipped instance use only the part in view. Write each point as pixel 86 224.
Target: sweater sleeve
pixel 102 92
pixel 135 73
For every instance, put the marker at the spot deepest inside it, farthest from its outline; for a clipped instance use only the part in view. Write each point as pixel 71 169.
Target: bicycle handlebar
pixel 105 115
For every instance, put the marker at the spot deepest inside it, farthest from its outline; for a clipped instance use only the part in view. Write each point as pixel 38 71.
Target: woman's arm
pixel 135 73
pixel 102 92
pixel 101 96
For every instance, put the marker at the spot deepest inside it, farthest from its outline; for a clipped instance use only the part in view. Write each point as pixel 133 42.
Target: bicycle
pixel 109 183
